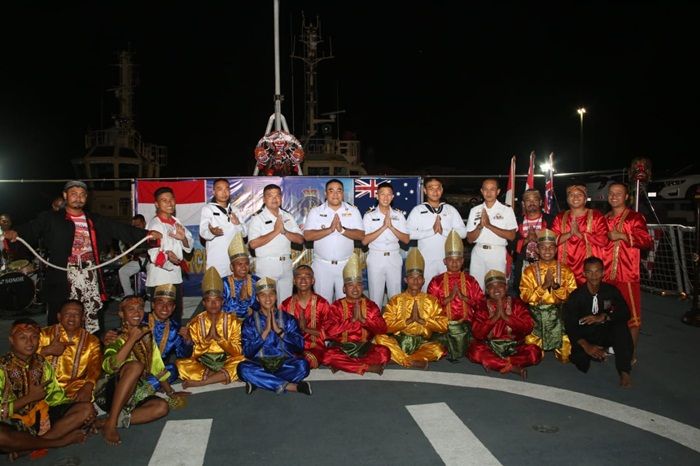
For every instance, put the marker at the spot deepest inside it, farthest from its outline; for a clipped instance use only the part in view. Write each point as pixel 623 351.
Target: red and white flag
pixel 549 186
pixel 530 183
pixel 510 192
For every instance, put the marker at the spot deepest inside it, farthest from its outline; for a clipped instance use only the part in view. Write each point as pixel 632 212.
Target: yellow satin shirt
pixel 400 307
pixel 227 326
pixel 531 290
pixel 81 362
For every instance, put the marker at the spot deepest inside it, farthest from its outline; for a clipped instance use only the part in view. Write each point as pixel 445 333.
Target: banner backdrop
pixel 299 195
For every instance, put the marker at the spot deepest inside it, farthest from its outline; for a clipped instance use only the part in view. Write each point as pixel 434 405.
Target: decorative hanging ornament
pixel 640 169
pixel 279 153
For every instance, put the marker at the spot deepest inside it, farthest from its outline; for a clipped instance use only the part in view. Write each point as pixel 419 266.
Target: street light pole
pixel 581 111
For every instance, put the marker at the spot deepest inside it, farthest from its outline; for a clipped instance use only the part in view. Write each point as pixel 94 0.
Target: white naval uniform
pixel 274 259
pixel 430 244
pixel 384 259
pixel 168 273
pixel 489 252
pixel 332 252
pixel 217 246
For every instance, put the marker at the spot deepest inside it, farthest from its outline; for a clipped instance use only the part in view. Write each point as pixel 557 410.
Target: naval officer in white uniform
pixel 384 228
pixel 430 223
pixel 271 232
pixel 218 223
pixel 490 226
pixel 333 226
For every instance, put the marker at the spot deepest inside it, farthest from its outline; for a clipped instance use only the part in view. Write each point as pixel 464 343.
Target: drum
pixel 16 291
pixel 23 266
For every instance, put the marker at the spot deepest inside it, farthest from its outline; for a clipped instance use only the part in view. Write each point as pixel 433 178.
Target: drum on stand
pixel 17 291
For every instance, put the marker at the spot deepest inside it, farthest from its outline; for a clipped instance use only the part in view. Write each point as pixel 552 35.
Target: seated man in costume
pixel 124 392
pixel 546 285
pixel 75 354
pixel 596 316
pixel 310 310
pixel 32 400
pixel 353 321
pixel 171 338
pixel 271 342
pixel 216 339
pixel 500 326
pixel 411 318
pixel 458 294
pixel 239 287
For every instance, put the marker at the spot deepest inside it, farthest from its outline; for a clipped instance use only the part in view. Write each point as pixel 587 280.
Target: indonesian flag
pixel 190 197
pixel 530 183
pixel 511 183
pixel 549 186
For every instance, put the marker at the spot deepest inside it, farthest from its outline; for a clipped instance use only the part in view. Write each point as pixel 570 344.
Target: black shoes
pixel 305 388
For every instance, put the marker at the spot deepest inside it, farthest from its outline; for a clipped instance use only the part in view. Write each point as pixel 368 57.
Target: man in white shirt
pixel 490 226
pixel 333 226
pixel 384 228
pixel 218 223
pixel 167 258
pixel 430 223
pixel 271 232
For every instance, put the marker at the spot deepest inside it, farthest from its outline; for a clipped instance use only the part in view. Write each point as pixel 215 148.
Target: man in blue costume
pixel 239 287
pixel 272 342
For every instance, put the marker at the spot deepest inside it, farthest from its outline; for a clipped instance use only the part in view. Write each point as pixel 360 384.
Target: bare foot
pixel 77 436
pixel 625 380
pixel 333 370
pixel 376 368
pixel 110 434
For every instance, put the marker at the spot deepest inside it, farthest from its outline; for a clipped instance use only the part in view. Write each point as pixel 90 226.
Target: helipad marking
pixel 451 439
pixel 182 443
pixel 678 432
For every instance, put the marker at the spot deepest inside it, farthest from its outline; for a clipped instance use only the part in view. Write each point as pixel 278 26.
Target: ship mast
pixel 313 54
pixel 125 92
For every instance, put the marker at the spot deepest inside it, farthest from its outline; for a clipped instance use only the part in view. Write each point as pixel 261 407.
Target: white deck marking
pixel 678 432
pixel 182 443
pixel 451 439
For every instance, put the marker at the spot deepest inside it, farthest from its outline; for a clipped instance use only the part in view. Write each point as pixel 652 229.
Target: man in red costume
pixel 459 294
pixel 311 310
pixel 582 232
pixel 352 323
pixel 628 236
pixel 499 328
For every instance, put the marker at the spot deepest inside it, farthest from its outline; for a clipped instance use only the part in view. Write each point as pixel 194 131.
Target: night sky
pixel 461 85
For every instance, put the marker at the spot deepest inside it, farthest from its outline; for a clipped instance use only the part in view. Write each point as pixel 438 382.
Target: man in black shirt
pixel 596 318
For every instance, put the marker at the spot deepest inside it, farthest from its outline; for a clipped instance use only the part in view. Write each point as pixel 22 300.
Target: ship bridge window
pixel 102 170
pixel 127 170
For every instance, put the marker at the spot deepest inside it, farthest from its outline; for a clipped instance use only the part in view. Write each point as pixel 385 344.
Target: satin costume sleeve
pixel 533 293
pixel 110 365
pixel 400 307
pixel 592 243
pixel 622 257
pixel 337 324
pixel 457 310
pixel 234 303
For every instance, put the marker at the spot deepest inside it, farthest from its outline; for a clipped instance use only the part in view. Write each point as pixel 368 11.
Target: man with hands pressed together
pixel 271 232
pixel 333 226
pixel 490 226
pixel 272 342
pixel 411 318
pixel 216 339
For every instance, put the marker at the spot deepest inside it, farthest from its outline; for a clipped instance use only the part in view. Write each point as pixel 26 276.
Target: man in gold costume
pixel 216 339
pixel 411 318
pixel 545 286
pixel 75 354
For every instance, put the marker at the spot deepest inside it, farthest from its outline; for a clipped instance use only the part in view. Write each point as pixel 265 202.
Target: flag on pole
pixel 549 186
pixel 511 183
pixel 530 183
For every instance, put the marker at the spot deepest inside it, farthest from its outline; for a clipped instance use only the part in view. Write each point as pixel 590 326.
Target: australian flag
pixel 406 192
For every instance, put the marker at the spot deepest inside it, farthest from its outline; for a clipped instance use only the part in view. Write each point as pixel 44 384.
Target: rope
pixel 88 269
